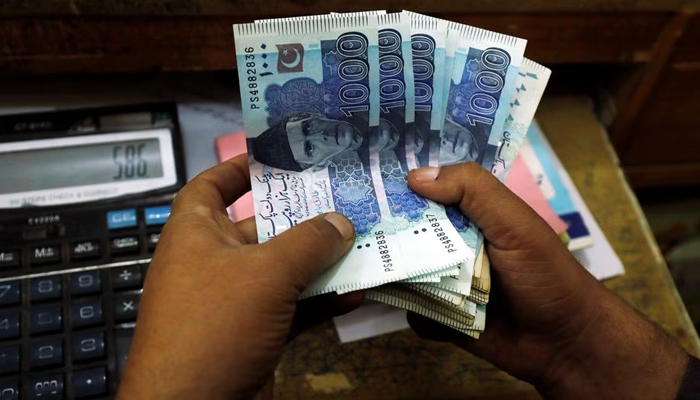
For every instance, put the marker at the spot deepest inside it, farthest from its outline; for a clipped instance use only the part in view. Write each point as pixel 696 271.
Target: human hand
pixel 549 321
pixel 217 307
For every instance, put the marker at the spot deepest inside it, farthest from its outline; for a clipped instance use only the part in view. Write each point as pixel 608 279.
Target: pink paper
pixel 227 147
pixel 523 184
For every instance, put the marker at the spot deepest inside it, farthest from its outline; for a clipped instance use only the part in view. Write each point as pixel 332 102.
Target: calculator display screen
pixel 77 169
pixel 59 167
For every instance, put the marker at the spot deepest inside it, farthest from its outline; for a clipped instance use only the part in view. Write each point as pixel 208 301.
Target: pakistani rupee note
pixel 425 234
pixel 305 88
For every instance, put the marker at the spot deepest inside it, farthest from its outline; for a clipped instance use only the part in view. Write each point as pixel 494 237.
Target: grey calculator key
pixel 45 288
pixel 10 293
pixel 90 382
pixel 45 319
pixel 9 390
pixel 46 388
pixel 88 346
pixel 86 314
pixel 86 282
pixel 46 352
pixel 9 324
pixel 9 359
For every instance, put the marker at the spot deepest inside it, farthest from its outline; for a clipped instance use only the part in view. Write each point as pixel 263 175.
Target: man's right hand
pixel 549 321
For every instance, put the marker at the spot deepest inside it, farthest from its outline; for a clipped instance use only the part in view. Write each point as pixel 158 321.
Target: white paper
pixel 372 319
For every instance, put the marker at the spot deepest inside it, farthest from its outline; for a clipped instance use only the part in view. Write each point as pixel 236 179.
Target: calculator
pixel 83 197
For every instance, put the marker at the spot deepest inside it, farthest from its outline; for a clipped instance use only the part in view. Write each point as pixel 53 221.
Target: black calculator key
pixel 45 255
pixel 46 388
pixel 9 359
pixel 9 324
pixel 45 288
pixel 46 319
pixel 9 390
pixel 9 259
pixel 90 382
pixel 126 307
pixel 127 277
pixel 86 314
pixel 152 240
pixel 88 346
pixel 124 245
pixel 45 353
pixel 123 343
pixel 85 250
pixel 9 293
pixel 86 282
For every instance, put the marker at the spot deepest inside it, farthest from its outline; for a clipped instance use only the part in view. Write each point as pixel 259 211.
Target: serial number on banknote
pixel 435 224
pixel 384 251
pixel 251 74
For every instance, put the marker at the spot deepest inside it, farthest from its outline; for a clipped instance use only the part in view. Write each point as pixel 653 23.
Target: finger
pixel 216 188
pixel 318 309
pixel 488 203
pixel 301 253
pixel 248 230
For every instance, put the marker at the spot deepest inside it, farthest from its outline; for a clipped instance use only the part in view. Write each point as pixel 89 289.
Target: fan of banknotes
pixel 338 108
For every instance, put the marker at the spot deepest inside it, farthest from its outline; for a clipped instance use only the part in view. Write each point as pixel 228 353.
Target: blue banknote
pixel 424 232
pixel 306 98
pixel 484 70
pixel 428 37
pixel 529 86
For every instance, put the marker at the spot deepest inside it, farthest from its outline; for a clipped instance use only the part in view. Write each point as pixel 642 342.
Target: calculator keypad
pixel 67 335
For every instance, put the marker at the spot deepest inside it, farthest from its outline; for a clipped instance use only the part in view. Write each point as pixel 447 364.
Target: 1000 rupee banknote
pixel 305 88
pixel 428 37
pixel 425 234
pixel 529 86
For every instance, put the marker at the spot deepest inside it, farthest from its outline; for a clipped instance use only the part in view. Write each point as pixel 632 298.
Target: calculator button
pixel 45 255
pixel 156 215
pixel 35 233
pixel 126 307
pixel 90 382
pixel 88 346
pixel 45 288
pixel 9 360
pixel 9 390
pixel 84 250
pixel 152 240
pixel 45 353
pixel 46 388
pixel 86 314
pixel 121 219
pixel 86 282
pixel 124 245
pixel 47 319
pixel 127 277
pixel 9 293
pixel 123 343
pixel 9 324
pixel 9 259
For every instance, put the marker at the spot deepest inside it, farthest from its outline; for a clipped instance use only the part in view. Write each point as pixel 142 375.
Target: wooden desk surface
pixel 403 366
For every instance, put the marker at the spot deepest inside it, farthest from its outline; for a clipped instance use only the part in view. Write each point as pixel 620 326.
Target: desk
pixel 401 365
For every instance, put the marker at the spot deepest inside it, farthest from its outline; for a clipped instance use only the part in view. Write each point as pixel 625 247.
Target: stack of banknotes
pixel 338 108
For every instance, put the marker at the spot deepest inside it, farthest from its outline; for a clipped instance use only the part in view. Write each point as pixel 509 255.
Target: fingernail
pixel 342 224
pixel 426 174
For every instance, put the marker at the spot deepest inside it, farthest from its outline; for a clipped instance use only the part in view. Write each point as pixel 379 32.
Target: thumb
pixel 300 254
pixel 502 216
